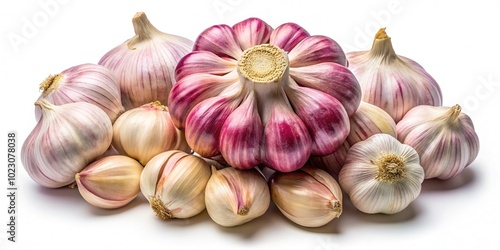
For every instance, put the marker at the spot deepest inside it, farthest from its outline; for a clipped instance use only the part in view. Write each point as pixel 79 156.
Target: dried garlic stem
pixel 264 63
pixel 50 83
pixel 160 209
pixel 391 168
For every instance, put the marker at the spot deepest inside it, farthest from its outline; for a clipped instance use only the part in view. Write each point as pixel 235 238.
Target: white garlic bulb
pixel 234 197
pixel 145 64
pixel 88 82
pixel 365 122
pixel 174 183
pixel 381 175
pixel 308 196
pixel 392 82
pixel 146 131
pixel 110 182
pixel 444 138
pixel 66 139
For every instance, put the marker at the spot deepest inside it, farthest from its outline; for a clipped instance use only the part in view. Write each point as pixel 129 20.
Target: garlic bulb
pixel 110 182
pixel 365 122
pixel 66 139
pixel 390 81
pixel 381 175
pixel 444 138
pixel 174 183
pixel 145 64
pixel 309 196
pixel 90 83
pixel 234 197
pixel 146 131
pixel 258 95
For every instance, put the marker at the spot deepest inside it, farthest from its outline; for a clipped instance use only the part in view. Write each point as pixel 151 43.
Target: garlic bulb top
pixel 444 137
pixel 381 175
pixel 145 64
pixel 365 122
pixel 66 139
pixel 88 82
pixel 258 95
pixel 392 82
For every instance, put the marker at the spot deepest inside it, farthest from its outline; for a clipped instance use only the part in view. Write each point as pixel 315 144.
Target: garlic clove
pixel 241 135
pixel 219 39
pixel 88 82
pixel 204 123
pixel 309 196
pixel 174 183
pixel 287 36
pixel 200 62
pixel 444 138
pixel 234 197
pixel 191 90
pixel 316 49
pixel 333 79
pixel 381 175
pixel 324 116
pixel 390 81
pixel 251 32
pixel 65 140
pixel 146 131
pixel 145 64
pixel 286 142
pixel 110 182
pixel 365 122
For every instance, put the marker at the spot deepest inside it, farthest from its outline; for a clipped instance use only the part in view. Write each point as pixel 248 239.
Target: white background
pixel 457 43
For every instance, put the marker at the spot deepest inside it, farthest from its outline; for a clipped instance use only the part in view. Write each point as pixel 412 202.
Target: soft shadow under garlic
pixel 465 178
pixel 138 201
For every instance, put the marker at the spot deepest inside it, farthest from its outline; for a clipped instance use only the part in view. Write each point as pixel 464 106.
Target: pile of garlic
pixel 243 118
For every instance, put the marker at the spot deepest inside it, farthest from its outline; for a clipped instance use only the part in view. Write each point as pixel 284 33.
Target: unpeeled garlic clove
pixel 145 64
pixel 110 182
pixel 381 175
pixel 309 196
pixel 146 131
pixel 65 140
pixel 444 138
pixel 234 197
pixel 390 81
pixel 174 183
pixel 365 122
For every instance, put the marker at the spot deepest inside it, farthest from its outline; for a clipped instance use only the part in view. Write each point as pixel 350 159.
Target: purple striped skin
pixel 241 136
pixel 333 79
pixel 323 115
pixel 265 130
pixel 286 144
pixel 204 123
pixel 316 49
pixel 444 138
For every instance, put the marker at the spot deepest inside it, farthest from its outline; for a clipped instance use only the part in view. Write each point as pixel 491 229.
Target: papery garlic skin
pixel 381 175
pixel 309 196
pixel 444 138
pixel 66 139
pixel 174 183
pixel 365 122
pixel 257 95
pixel 392 82
pixel 88 82
pixel 144 64
pixel 146 131
pixel 110 182
pixel 234 197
